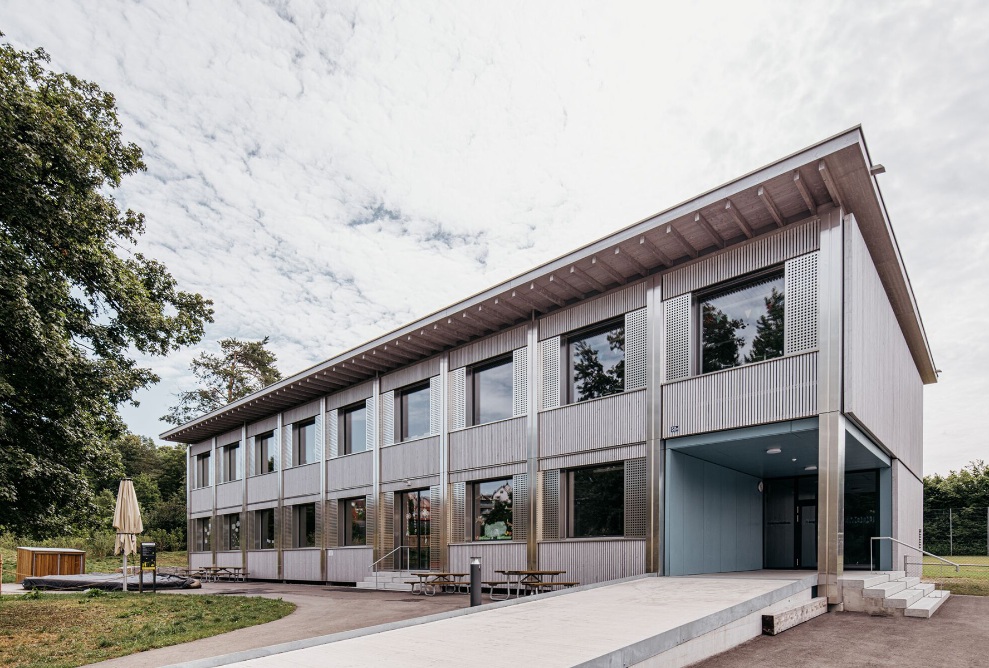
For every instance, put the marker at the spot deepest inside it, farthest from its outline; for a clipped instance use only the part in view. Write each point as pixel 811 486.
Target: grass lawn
pixel 62 630
pixel 971 579
pixel 96 564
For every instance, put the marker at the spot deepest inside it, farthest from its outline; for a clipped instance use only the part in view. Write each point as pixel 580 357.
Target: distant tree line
pixel 955 511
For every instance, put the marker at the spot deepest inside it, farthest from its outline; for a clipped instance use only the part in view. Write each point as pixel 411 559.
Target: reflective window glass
pixel 491 397
pixel 743 324
pixel 415 413
pixel 598 501
pixel 493 510
pixel 597 363
pixel 355 429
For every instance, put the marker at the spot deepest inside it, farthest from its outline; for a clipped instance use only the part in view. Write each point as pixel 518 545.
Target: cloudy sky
pixel 322 173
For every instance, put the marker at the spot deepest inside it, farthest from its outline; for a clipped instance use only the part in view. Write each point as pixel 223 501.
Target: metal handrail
pixel 912 547
pixel 373 565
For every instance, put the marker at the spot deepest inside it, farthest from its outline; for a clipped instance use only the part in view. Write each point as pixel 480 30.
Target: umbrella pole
pixel 125 569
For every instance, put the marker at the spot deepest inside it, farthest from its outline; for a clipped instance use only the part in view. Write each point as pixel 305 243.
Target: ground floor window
pixel 264 529
pixel 231 531
pixel 354 521
pixel 596 498
pixel 201 529
pixel 492 509
pixel 304 525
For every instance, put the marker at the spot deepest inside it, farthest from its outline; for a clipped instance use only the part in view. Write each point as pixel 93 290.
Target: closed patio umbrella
pixel 127 522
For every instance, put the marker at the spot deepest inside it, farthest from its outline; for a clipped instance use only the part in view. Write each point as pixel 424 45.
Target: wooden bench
pixel 549 585
pixel 491 584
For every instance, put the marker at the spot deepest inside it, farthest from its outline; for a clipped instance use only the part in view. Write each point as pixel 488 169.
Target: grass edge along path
pixel 68 630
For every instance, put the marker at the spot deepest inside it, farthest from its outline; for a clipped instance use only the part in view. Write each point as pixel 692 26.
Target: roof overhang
pixel 836 171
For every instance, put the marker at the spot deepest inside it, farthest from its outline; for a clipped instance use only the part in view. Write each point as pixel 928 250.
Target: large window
pixel 304 525
pixel 201 530
pixel 229 462
pixel 597 501
pixel 264 529
pixel 491 391
pixel 304 442
pixel 492 510
pixel 230 525
pixel 354 521
pixel 413 408
pixel 202 477
pixel 742 323
pixel 264 453
pixel 353 429
pixel 596 362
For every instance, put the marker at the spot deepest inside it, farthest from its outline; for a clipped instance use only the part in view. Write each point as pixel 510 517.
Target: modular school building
pixel 732 384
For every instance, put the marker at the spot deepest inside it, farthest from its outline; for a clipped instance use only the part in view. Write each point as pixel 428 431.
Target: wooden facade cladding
pixel 590 425
pixel 592 457
pixel 262 488
pixel 302 480
pixel 488 347
pixel 348 564
pixel 262 426
pixel 230 494
pixel 883 389
pixel 228 438
pixel 412 459
pixel 201 500
pixel 502 555
pixel 502 471
pixel 350 395
pixel 491 444
pixel 410 374
pixel 784 388
pixel 588 312
pixel 262 564
pixel 594 560
pixel 350 471
pixel 232 558
pixel 200 448
pixel 201 559
pixel 301 564
pixel 302 412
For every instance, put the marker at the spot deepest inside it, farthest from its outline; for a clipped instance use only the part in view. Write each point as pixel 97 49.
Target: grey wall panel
pixel 230 494
pixel 550 370
pixel 412 459
pixel 262 505
pixel 800 306
pixel 200 448
pixel 350 471
pixel 488 472
pixel 458 398
pixel 235 558
pixel 636 349
pixel 594 424
pixel 589 561
pixel 410 374
pixel 262 426
pixel 780 389
pixel 520 381
pixel 349 564
pixel 488 445
pixel 759 253
pixel 302 480
pixel 713 518
pixel 200 559
pixel 591 457
pixel 883 389
pixel 228 438
pixel 908 513
pixel 303 412
pixel 262 487
pixel 262 564
pixel 495 556
pixel 590 311
pixel 349 396
pixel 301 565
pixel 486 348
pixel 201 499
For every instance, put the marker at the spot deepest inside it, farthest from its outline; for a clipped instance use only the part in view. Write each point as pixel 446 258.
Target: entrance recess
pixel 791 522
pixel 414 512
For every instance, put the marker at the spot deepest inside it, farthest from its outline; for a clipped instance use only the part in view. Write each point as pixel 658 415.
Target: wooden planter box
pixel 39 561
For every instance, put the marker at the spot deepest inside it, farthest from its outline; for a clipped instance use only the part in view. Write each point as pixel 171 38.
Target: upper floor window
pixel 304 442
pixel 202 477
pixel 742 323
pixel 413 408
pixel 229 460
pixel 491 391
pixel 596 360
pixel 596 501
pixel 492 510
pixel 353 429
pixel 264 453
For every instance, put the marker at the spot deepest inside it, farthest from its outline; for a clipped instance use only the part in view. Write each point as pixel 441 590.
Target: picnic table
pixel 430 581
pixel 532 580
pixel 217 573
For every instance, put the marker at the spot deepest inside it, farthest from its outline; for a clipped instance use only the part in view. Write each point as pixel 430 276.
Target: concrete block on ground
pixel 777 622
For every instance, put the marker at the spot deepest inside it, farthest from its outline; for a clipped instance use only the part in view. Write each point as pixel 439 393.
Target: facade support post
pixel 245 530
pixel 444 508
pixel 214 476
pixel 532 443
pixel 280 505
pixel 324 432
pixel 655 446
pixel 379 519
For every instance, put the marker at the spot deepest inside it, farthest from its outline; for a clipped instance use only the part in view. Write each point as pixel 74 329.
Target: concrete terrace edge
pixel 305 643
pixel 667 640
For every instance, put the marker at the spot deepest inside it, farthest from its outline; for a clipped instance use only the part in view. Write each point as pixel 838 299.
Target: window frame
pixel 225 522
pixel 402 409
pixel 298 446
pixel 226 474
pixel 300 534
pixel 473 377
pixel 346 524
pixel 473 511
pixel 202 534
pixel 267 440
pixel 203 468
pixel 259 535
pixel 344 428
pixel 566 357
pixel 568 502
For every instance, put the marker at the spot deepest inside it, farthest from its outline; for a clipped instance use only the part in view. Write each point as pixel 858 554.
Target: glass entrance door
pixel 790 522
pixel 414 521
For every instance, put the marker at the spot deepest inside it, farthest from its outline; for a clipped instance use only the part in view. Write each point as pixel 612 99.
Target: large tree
pixel 77 301
pixel 242 367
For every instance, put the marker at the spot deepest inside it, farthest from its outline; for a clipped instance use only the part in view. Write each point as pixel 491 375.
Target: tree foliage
pixel 721 343
pixel 76 300
pixel 242 367
pixel 956 511
pixel 768 340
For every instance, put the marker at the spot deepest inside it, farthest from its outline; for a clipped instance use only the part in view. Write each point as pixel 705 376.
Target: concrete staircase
pixel 890 593
pixel 388 581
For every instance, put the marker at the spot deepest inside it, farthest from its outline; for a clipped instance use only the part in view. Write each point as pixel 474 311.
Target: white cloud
pixel 321 173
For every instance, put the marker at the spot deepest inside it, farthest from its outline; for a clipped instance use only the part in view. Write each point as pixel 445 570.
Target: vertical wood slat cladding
pixel 458 398
pixel 303 412
pixel 301 565
pixel 589 425
pixel 488 445
pixel 262 488
pixel 229 558
pixel 350 471
pixel 201 559
pixel 492 346
pixel 263 426
pixel 410 374
pixel 488 472
pixel 350 395
pixel 549 354
pixel 504 555
pixel 588 312
pixel 302 480
pixel 348 564
pixel 883 389
pixel 228 438
pixel 229 494
pixel 262 564
pixel 201 499
pixel 413 459
pixel 759 253
pixel 592 457
pixel 589 561
pixel 781 389
pixel 200 448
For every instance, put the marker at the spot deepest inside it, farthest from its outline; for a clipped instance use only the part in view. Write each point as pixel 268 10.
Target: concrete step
pixel 910 582
pixel 926 587
pixel 862 580
pixel 928 605
pixel 903 599
pixel 798 613
pixel 385 586
pixel 884 589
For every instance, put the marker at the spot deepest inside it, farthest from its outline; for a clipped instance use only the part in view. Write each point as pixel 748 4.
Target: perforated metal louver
pixel 387 529
pixel 550 502
pixel 458 513
pixel 800 319
pixel 520 507
pixel 636 510
pixel 676 320
pixel 332 429
pixel 636 349
pixel 332 523
pixel 458 398
pixel 435 523
pixel 520 381
pixel 550 361
pixel 370 519
pixel 388 417
pixel 435 397
pixel 251 457
pixel 370 422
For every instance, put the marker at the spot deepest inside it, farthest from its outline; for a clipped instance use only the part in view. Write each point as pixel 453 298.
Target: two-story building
pixel 732 384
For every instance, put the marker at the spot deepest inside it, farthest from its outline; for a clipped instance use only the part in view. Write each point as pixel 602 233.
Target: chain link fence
pixel 952 532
